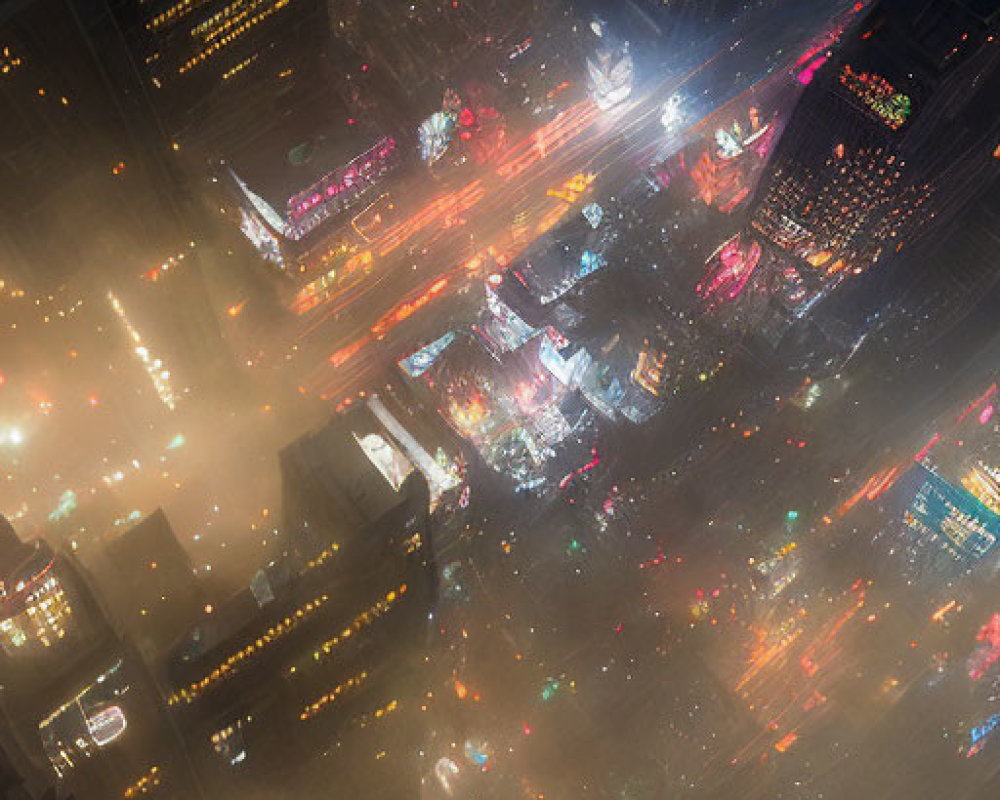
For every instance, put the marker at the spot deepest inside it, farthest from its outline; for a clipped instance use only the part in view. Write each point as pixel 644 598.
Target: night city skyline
pixel 515 399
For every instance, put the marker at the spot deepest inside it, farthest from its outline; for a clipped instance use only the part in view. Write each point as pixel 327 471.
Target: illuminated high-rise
pixel 80 701
pixel 887 142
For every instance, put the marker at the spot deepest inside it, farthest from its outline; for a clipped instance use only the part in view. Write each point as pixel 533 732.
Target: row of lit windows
pixel 221 23
pixel 378 713
pixel 227 667
pixel 43 621
pixel 177 11
pixel 235 70
pixel 322 557
pixel 313 709
pixel 147 783
pixel 857 193
pixel 229 38
pixel 362 620
pixel 219 16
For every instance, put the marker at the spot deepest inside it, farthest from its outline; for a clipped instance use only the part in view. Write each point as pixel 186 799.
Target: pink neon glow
pixel 988 652
pixel 977 402
pixel 986 414
pixel 371 162
pixel 594 461
pixel 729 270
pixel 806 75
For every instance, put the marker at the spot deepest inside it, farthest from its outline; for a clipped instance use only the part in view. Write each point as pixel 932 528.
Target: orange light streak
pixel 449 206
pixel 344 354
pixel 407 308
pixel 877 485
pixel 943 611
pixel 235 309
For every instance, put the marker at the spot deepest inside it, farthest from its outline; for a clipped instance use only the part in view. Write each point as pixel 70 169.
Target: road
pixel 425 264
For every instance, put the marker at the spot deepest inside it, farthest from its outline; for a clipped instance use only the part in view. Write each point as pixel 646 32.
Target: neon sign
pixel 879 96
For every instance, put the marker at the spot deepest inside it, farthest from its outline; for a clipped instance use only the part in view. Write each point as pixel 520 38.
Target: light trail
pixel 451 205
pixel 408 308
pixel 537 146
pixel 877 485
pixel 547 139
pixel 344 354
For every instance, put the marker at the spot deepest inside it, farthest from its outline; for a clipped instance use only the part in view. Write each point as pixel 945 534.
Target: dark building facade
pixel 888 143
pixel 80 703
pixel 78 191
pixel 348 483
pixel 149 585
pixel 322 646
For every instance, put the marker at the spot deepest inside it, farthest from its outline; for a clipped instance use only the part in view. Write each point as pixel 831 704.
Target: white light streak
pixel 153 366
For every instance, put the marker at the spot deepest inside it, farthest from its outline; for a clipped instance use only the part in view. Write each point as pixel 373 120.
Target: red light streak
pixel 448 208
pixel 594 461
pixel 922 453
pixel 976 403
pixel 877 485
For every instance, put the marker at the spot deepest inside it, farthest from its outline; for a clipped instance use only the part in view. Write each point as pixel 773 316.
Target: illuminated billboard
pixel 86 723
pixel 879 97
pixel 955 517
pixel 392 464
pixel 416 364
pixel 335 190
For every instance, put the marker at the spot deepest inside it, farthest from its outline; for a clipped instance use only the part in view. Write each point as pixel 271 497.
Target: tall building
pixel 14 783
pixel 955 278
pixel 99 194
pixel 418 43
pixel 369 491
pixel 149 585
pixel 222 74
pixel 328 642
pixel 887 143
pixel 80 702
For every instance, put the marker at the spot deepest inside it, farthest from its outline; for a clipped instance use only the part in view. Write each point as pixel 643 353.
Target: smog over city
pixel 499 399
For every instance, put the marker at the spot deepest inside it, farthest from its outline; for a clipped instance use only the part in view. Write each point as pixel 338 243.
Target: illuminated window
pixel 41 619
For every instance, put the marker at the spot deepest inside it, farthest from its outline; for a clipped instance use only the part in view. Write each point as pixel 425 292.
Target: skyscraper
pixel 80 702
pixel 889 140
pixel 149 584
